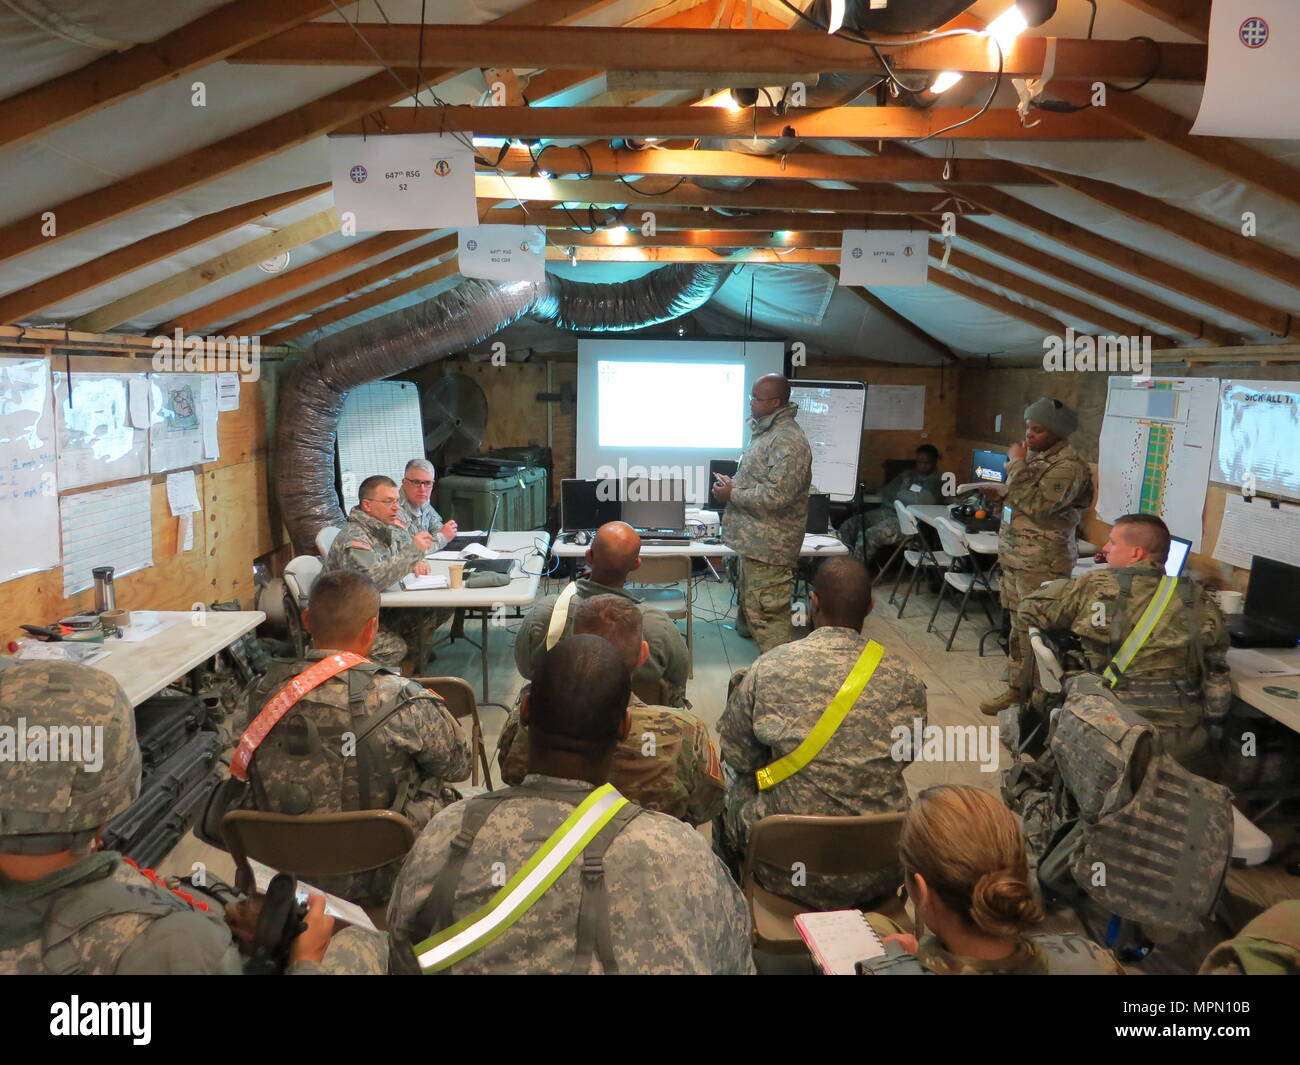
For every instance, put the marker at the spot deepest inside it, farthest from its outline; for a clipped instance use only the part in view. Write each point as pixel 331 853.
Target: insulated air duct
pixel 315 389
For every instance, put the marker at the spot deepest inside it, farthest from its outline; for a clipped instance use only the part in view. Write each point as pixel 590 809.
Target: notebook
pixel 839 939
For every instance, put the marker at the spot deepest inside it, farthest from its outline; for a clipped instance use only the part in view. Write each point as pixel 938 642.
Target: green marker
pixel 1282 693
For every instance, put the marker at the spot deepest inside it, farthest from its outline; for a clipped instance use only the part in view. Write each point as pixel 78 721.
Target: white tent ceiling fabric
pixel 797 301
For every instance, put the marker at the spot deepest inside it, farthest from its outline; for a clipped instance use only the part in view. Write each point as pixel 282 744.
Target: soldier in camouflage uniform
pixel 372 543
pixel 667 761
pixel 923 485
pixel 645 895
pixel 1048 487
pixel 64 906
pixel 967 877
pixel 1268 946
pixel 614 554
pixel 767 512
pixel 1178 683
pixel 304 765
pixel 416 514
pixel 776 706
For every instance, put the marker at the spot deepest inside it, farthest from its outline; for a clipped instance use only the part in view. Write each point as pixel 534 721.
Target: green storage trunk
pixel 469 501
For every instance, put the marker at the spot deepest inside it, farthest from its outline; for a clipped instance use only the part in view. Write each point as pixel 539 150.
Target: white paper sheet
pixel 227 391
pixel 29 507
pixel 138 400
pixel 502 253
pixel 406 181
pixel 107 527
pixel 412 583
pixel 334 906
pixel 884 257
pixel 1251 76
pixel 82 653
pixel 895 407
pixel 98 440
pixel 1257 528
pixel 1259 437
pixel 1251 663
pixel 183 492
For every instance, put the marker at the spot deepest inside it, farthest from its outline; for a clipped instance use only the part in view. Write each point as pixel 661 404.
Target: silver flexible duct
pixel 312 395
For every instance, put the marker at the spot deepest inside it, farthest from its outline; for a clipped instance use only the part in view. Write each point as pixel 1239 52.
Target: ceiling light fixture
pixel 945 81
pixel 835 18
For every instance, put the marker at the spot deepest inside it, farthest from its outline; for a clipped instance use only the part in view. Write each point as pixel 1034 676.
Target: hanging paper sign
pixel 883 257
pixel 503 253
pixel 407 181
pixel 1252 67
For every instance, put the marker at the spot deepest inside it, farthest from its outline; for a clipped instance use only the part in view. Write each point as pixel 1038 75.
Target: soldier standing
pixel 361 738
pixel 630 891
pixel 1048 488
pixel 372 543
pixel 767 512
pixel 667 761
pixel 796 749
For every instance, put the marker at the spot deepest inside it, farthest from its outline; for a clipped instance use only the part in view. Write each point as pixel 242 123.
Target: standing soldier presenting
pixel 1048 488
pixel 767 511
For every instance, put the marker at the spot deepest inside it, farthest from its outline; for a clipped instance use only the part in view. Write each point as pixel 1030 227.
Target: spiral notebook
pixel 839 939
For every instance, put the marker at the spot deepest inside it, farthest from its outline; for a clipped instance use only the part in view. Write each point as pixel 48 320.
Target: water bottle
pixel 105 597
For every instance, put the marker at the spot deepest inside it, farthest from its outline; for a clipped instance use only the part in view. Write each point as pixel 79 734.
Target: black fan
pixel 453 412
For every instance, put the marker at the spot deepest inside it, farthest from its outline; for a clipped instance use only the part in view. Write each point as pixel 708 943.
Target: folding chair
pixel 458 696
pixel 955 545
pixel 919 555
pixel 670 570
pixel 325 538
pixel 299 576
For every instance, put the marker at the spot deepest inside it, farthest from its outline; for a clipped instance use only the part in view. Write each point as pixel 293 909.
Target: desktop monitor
pixel 583 505
pixel 1273 593
pixel 654 504
pixel 819 514
pixel 989 466
pixel 1179 549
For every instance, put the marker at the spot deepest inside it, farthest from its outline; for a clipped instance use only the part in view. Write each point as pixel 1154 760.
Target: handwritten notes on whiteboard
pixel 29 502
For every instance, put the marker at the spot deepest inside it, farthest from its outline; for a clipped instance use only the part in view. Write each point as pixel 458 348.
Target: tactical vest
pixel 1066 954
pixel 285 774
pixel 592 933
pixel 76 909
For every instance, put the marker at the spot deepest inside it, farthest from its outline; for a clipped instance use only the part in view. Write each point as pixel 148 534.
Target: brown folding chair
pixel 669 570
pixel 828 846
pixel 652 692
pixel 458 696
pixel 316 845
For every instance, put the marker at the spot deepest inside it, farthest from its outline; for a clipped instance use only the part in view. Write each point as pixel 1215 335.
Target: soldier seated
pixel 374 542
pixel 613 556
pixel 798 744
pixel 967 876
pixel 561 873
pixel 1159 642
pixel 359 737
pixel 67 907
pixel 667 761
pixel 878 527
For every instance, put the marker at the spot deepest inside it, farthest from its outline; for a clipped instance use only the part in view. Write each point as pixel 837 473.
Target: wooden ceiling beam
pixel 776 52
pixel 836 123
pixel 765 221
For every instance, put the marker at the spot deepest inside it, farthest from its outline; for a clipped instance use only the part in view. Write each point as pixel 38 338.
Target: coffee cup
pixel 1230 602
pixel 456 574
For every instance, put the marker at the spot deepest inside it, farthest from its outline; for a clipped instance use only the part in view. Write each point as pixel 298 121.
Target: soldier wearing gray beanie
pixel 1054 415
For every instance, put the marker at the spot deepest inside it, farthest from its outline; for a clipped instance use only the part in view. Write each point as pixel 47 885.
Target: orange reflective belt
pixel 285 699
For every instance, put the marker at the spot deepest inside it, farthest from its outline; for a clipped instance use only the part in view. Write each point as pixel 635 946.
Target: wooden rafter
pixel 767 221
pixel 777 52
pixel 1190 16
pixel 17 305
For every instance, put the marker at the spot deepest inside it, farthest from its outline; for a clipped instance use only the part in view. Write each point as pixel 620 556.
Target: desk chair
pixel 458 696
pixel 975 579
pixel 317 845
pixel 829 846
pixel 325 538
pixel 669 570
pixel 299 576
pixel 916 553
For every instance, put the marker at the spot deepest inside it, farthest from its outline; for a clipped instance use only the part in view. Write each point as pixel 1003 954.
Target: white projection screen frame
pixel 668 423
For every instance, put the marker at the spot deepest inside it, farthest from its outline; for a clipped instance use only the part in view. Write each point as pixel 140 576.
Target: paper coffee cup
pixel 1230 602
pixel 456 575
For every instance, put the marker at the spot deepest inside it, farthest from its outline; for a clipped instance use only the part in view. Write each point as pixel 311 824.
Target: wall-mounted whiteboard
pixel 98 440
pixel 29 501
pixel 1259 436
pixel 831 415
pixel 379 432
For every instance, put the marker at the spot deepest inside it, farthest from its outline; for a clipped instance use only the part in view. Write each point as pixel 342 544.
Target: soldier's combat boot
pixel 992 707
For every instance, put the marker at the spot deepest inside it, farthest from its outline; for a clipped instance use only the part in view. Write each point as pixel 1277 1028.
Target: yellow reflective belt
pixel 523 889
pixel 1142 631
pixel 827 725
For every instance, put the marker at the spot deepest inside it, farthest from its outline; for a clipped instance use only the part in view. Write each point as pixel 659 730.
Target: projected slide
pixel 671 404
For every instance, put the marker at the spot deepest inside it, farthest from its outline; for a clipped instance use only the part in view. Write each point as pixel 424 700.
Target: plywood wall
pixel 985 393
pixel 234 528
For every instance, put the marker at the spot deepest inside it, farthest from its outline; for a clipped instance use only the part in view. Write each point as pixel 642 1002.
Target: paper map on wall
pixel 97 441
pixel 1157 440
pixel 182 420
pixel 29 502
pixel 1259 436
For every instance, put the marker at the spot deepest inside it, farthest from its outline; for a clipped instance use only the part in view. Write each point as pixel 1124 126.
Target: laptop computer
pixel 1179 549
pixel 587 504
pixel 819 514
pixel 459 543
pixel 1271 616
pixel 656 509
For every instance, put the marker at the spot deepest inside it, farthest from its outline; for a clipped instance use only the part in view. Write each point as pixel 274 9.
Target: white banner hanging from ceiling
pixel 503 253
pixel 1253 78
pixel 406 181
pixel 883 257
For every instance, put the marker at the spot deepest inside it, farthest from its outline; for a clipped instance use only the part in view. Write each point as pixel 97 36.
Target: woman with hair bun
pixel 964 868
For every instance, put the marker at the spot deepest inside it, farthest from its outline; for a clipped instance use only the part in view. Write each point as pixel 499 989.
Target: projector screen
pixel 664 408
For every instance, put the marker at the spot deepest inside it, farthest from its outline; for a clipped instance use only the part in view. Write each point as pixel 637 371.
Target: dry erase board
pixel 831 416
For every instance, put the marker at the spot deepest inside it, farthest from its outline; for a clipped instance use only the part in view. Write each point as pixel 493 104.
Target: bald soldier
pixel 1174 672
pixel 614 554
pixel 666 762
pixel 841 694
pixel 373 542
pixel 630 891
pixel 767 512
pixel 1048 487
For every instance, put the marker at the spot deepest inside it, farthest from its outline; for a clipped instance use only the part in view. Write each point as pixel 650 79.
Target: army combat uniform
pixel 878 527
pixel 666 763
pixel 670 907
pixel 772 711
pixel 1268 946
pixel 413 521
pixel 765 521
pixel 385 554
pixel 1047 493
pixel 668 660
pixel 306 764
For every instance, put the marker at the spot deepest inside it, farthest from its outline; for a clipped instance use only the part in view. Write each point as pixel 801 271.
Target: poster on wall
pixel 1257 449
pixel 182 420
pixel 29 494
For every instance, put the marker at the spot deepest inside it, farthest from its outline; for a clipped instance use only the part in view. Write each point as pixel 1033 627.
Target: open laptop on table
pixel 656 510
pixel 1271 616
pixel 462 542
